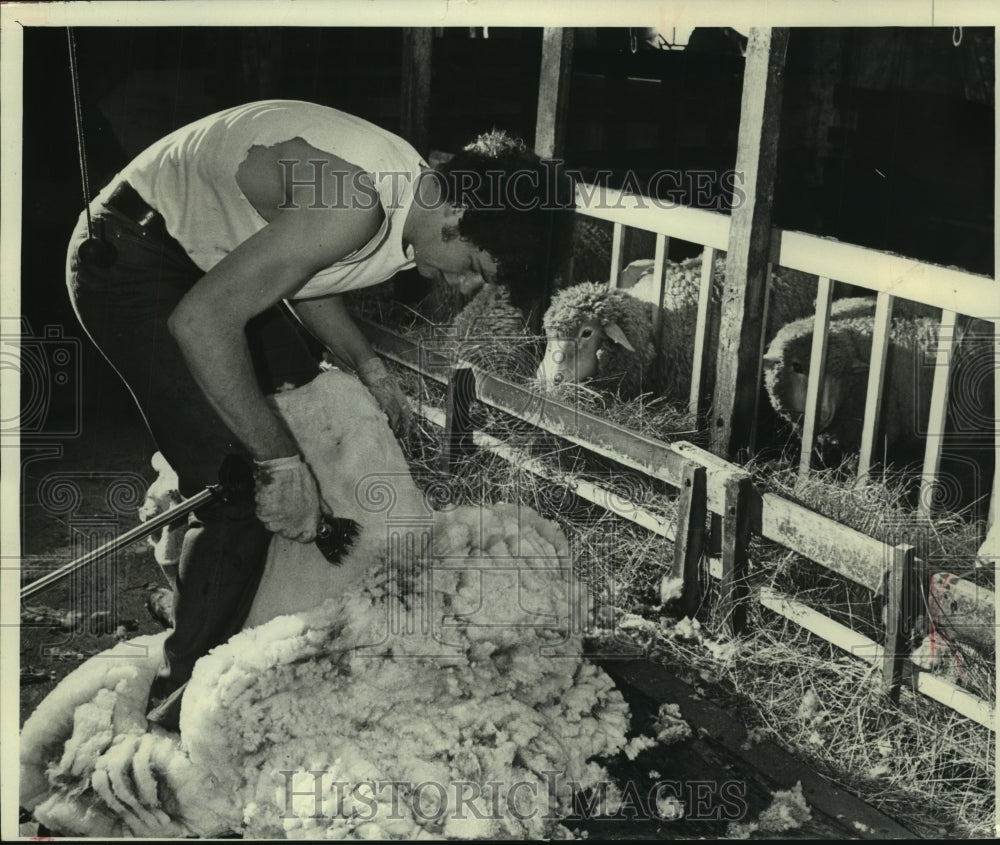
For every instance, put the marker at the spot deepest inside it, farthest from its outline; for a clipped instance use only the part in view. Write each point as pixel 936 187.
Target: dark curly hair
pixel 517 206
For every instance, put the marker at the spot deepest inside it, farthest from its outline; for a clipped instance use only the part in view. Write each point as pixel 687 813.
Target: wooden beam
pixel 759 392
pixel 742 322
pixel 970 294
pixel 696 225
pixel 726 731
pixel 415 97
pixel 553 91
pixel 597 494
pixel 858 645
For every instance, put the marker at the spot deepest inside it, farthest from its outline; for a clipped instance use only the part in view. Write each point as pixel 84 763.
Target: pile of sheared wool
pixel 403 694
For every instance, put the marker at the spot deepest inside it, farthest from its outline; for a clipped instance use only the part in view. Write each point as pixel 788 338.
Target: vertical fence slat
pixel 617 254
pixel 735 550
pixel 900 618
pixel 689 542
pixel 817 371
pixel 659 262
pixel 701 333
pixel 939 411
pixel 755 419
pixel 876 376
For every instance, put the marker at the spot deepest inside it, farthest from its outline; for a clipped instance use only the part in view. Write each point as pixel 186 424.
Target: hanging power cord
pixel 95 250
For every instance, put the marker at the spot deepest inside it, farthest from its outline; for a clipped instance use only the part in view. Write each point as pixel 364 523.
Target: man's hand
pixel 387 393
pixel 288 501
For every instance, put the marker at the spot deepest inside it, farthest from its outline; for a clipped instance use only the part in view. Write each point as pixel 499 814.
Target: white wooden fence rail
pixel 888 276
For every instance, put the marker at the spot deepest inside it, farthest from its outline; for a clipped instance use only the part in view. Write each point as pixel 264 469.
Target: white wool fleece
pixel 459 663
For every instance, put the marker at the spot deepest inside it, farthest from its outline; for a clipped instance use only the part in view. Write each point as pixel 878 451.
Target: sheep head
pixel 786 375
pixel 596 332
pixel 786 362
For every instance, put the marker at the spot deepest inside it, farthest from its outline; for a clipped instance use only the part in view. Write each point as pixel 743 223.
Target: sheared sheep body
pixel 596 332
pixel 389 668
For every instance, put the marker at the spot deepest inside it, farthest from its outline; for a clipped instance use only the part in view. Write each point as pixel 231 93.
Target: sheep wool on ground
pixel 439 665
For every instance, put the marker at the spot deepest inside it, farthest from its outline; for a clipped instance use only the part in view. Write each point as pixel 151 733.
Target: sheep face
pixel 576 359
pixel 789 383
pixel 592 331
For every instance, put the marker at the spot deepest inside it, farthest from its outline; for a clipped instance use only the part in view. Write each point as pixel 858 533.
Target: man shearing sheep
pixel 217 224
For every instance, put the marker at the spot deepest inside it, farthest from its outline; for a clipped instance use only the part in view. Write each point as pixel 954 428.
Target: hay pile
pixel 920 761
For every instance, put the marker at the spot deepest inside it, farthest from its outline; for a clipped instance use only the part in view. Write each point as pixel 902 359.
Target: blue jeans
pixel 124 310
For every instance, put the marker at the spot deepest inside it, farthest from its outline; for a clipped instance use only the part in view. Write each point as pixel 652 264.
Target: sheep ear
pixel 613 330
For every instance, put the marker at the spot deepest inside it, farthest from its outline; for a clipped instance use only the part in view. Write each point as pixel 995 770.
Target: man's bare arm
pixel 329 321
pixel 209 322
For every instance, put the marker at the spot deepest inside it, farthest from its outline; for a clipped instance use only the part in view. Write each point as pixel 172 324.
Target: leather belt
pixel 126 201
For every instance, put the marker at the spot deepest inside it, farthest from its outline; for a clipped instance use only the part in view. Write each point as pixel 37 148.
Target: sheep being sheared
pixel 390 669
pixel 593 331
pixel 909 374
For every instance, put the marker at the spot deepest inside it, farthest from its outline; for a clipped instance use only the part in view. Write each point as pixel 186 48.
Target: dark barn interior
pixel 887 141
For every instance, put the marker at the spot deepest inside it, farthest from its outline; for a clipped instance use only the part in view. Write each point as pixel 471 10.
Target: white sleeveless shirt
pixel 189 177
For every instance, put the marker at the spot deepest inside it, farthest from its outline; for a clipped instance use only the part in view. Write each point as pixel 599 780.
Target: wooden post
pixel 735 546
pixel 457 438
pixel 553 91
pixel 900 618
pixel 742 322
pixel 415 97
pixel 689 542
